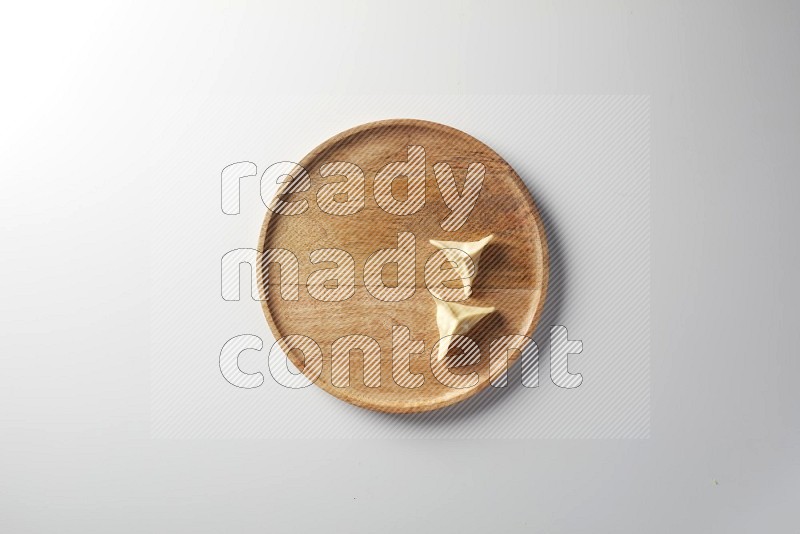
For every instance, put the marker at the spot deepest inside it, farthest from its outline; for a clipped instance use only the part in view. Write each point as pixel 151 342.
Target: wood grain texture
pixel 512 276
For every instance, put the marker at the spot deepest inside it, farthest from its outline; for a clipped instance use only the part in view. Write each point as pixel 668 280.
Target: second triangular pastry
pixel 453 318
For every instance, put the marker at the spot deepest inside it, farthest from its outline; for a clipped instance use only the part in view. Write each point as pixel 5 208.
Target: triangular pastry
pixel 456 319
pixel 473 250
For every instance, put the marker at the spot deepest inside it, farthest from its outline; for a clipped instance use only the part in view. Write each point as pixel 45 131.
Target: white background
pixel 101 101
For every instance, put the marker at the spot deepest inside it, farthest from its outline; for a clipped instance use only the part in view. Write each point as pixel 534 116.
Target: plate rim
pixel 541 231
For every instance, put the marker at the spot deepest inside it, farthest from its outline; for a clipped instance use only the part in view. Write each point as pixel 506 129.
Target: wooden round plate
pixel 512 273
